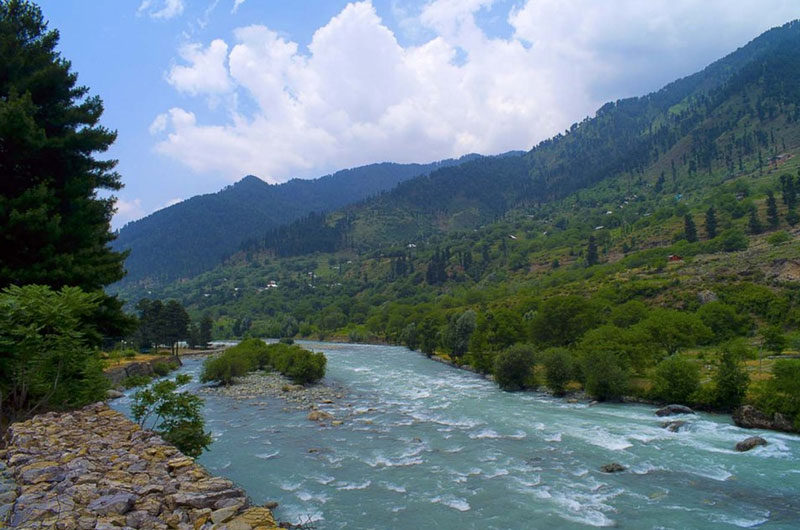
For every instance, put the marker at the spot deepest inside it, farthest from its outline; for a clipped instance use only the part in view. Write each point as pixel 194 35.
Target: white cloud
pixel 127 211
pixel 207 72
pixel 161 10
pixel 236 4
pixel 357 96
pixel 159 124
pixel 172 202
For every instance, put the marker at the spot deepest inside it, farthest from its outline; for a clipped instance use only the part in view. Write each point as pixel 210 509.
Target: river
pixel 424 445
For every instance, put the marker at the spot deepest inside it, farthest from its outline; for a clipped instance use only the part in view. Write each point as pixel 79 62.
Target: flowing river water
pixel 424 445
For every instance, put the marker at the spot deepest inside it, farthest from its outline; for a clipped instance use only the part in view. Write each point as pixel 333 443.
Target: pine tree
pixel 754 224
pixel 591 252
pixel 689 228
pixel 792 218
pixel 711 223
pixel 772 211
pixel 54 230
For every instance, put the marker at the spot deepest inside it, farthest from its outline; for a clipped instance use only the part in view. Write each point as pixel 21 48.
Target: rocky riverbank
pixel 94 468
pixel 272 384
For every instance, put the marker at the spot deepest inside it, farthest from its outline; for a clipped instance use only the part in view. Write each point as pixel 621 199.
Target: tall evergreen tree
pixel 772 211
pixel 689 228
pixel 711 223
pixel 754 223
pixel 54 230
pixel 591 252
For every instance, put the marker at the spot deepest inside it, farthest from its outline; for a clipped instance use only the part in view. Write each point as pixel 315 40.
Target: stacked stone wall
pixel 94 468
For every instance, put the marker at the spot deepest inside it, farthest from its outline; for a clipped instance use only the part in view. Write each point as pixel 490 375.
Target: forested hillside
pixel 653 244
pixel 194 235
pixel 713 119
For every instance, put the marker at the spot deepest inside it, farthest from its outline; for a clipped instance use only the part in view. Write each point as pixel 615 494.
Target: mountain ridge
pixel 194 235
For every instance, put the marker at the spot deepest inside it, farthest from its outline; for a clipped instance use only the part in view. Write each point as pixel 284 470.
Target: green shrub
pixel 723 320
pixel 299 364
pixel 224 367
pixel 675 380
pixel 136 380
pixel 558 369
pixel 162 368
pixel 46 357
pixel 779 237
pixel 733 239
pixel 174 415
pixel 730 379
pixel 291 360
pixel 606 374
pixel 782 392
pixel 513 367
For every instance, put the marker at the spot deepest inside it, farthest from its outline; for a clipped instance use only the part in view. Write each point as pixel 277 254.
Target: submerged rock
pixel 750 443
pixel 613 467
pixel 669 410
pixel 673 426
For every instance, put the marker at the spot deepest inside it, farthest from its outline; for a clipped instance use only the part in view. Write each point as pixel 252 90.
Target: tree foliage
pixel 175 415
pixel 46 359
pixel 54 229
pixel 675 380
pixel 730 380
pixel 513 367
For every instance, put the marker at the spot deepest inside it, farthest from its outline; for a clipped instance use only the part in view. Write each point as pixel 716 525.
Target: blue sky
pixel 203 92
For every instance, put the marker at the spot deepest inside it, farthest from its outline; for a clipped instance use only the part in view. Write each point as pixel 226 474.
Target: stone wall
pixel 94 468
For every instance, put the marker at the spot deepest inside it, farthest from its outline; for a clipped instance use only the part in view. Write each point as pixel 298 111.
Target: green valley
pixel 655 240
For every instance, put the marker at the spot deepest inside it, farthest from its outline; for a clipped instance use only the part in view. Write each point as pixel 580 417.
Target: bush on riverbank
pixel 513 367
pixel 295 362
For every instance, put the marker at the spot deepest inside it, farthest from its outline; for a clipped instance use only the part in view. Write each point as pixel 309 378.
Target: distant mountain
pixel 714 118
pixel 194 235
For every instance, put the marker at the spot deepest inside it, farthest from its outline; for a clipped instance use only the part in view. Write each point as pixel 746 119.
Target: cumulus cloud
pixel 236 4
pixel 127 211
pixel 206 73
pixel 161 10
pixel 358 96
pixel 159 124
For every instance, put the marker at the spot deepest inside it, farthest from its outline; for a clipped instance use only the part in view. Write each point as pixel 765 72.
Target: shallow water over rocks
pixel 424 445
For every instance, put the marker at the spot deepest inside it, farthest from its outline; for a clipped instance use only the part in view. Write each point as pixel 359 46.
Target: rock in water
pixel 318 415
pixel 749 417
pixel 750 443
pixel 673 426
pixel 669 410
pixel 613 467
pixel 114 394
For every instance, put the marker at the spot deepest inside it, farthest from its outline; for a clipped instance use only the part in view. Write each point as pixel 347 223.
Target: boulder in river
pixel 319 415
pixel 750 443
pixel 113 394
pixel 749 417
pixel 613 467
pixel 673 426
pixel 669 410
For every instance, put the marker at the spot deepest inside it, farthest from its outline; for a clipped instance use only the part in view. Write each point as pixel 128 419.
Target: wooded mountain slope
pixel 194 235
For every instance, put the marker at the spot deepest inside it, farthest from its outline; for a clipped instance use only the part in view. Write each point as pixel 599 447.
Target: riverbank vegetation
pixel 297 363
pixel 649 251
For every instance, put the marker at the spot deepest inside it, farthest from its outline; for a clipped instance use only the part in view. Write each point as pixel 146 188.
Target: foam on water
pixel 453 502
pixel 449 450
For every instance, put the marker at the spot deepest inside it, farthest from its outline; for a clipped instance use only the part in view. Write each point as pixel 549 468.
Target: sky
pixel 204 92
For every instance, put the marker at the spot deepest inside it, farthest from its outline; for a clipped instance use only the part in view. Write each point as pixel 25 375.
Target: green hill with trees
pixel 650 250
pixel 190 237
